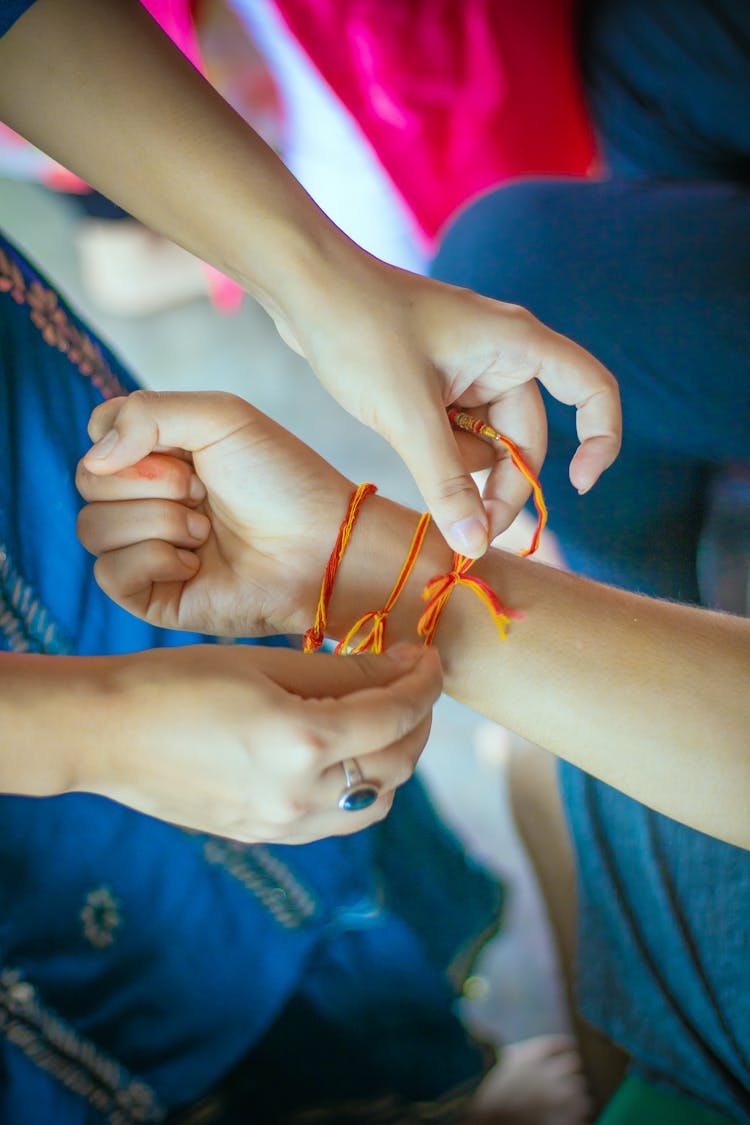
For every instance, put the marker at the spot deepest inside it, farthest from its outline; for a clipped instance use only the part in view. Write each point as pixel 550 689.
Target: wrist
pixel 55 718
pixel 292 263
pixel 379 545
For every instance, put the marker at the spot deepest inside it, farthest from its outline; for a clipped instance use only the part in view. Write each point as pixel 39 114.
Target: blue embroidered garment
pixel 140 963
pixel 10 11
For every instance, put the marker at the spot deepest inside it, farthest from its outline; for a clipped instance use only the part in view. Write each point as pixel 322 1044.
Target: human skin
pixel 649 696
pixel 237 741
pixel 103 90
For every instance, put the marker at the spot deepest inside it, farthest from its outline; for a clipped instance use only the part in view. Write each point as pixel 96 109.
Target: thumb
pixel 128 429
pixel 333 677
pixel 430 451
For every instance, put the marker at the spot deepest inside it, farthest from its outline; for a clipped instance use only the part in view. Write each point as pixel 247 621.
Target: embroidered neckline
pixel 57 327
pixel 25 621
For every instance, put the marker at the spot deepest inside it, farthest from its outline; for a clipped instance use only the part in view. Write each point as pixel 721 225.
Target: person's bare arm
pixel 651 697
pixel 50 709
pixel 100 87
pixel 241 742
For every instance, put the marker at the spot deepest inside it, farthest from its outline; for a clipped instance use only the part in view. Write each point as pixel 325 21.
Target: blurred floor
pixel 515 992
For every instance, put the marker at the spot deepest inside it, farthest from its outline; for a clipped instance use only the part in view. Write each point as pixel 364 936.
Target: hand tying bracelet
pixel 439 589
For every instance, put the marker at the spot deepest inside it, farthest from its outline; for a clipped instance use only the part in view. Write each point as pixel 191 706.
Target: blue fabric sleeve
pixel 10 11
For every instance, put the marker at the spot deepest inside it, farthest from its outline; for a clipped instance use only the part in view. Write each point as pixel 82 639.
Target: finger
pixel 111 526
pixel 476 454
pixel 388 769
pixel 592 457
pixel 103 416
pixel 147 421
pixel 373 718
pixel 429 449
pixel 147 573
pixel 520 413
pixel 331 677
pixel 333 822
pixel 575 377
pixel 320 793
pixel 155 475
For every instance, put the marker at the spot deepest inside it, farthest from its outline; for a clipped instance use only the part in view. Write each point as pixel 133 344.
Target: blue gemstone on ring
pixel 358 797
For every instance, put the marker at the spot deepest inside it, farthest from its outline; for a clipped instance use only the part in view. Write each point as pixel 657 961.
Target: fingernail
pixel 104 446
pixel 198 525
pixel 188 558
pixel 197 488
pixel 469 536
pixel 583 491
pixel 404 654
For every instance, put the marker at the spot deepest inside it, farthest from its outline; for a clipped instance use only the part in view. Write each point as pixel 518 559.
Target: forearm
pixel 649 696
pixel 53 716
pixel 102 89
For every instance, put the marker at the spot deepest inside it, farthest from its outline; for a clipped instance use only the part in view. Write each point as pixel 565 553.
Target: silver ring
pixel 358 794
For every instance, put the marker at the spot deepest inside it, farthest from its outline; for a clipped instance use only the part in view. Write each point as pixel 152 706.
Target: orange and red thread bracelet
pixel 438 590
pixel 374 640
pixel 315 635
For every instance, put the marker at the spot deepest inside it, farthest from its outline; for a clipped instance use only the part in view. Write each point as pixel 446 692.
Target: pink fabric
pixel 176 18
pixel 454 95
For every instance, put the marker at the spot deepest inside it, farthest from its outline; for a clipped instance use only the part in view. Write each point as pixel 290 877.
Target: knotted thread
pixel 315 635
pixel 439 589
pixel 374 640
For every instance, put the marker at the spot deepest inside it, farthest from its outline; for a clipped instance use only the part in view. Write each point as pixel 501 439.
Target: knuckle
pixel 302 753
pixel 103 575
pixel 169 520
pixel 83 480
pixel 84 528
pixel 403 771
pixel 141 398
pixel 229 401
pixel 454 486
pixel 153 555
pixel 382 807
pixel 281 814
pixel 406 713
pixel 520 312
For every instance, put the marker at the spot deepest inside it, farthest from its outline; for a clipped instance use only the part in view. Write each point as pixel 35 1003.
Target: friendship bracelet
pixel 315 635
pixel 374 640
pixel 482 429
pixel 439 589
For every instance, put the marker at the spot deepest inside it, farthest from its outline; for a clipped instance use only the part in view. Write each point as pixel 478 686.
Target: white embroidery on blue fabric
pixel 56 1047
pixel 101 917
pixel 24 620
pixel 265 876
pixel 56 325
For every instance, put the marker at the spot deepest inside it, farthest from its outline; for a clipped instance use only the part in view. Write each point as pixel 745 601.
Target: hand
pixel 395 349
pixel 206 515
pixel 248 742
